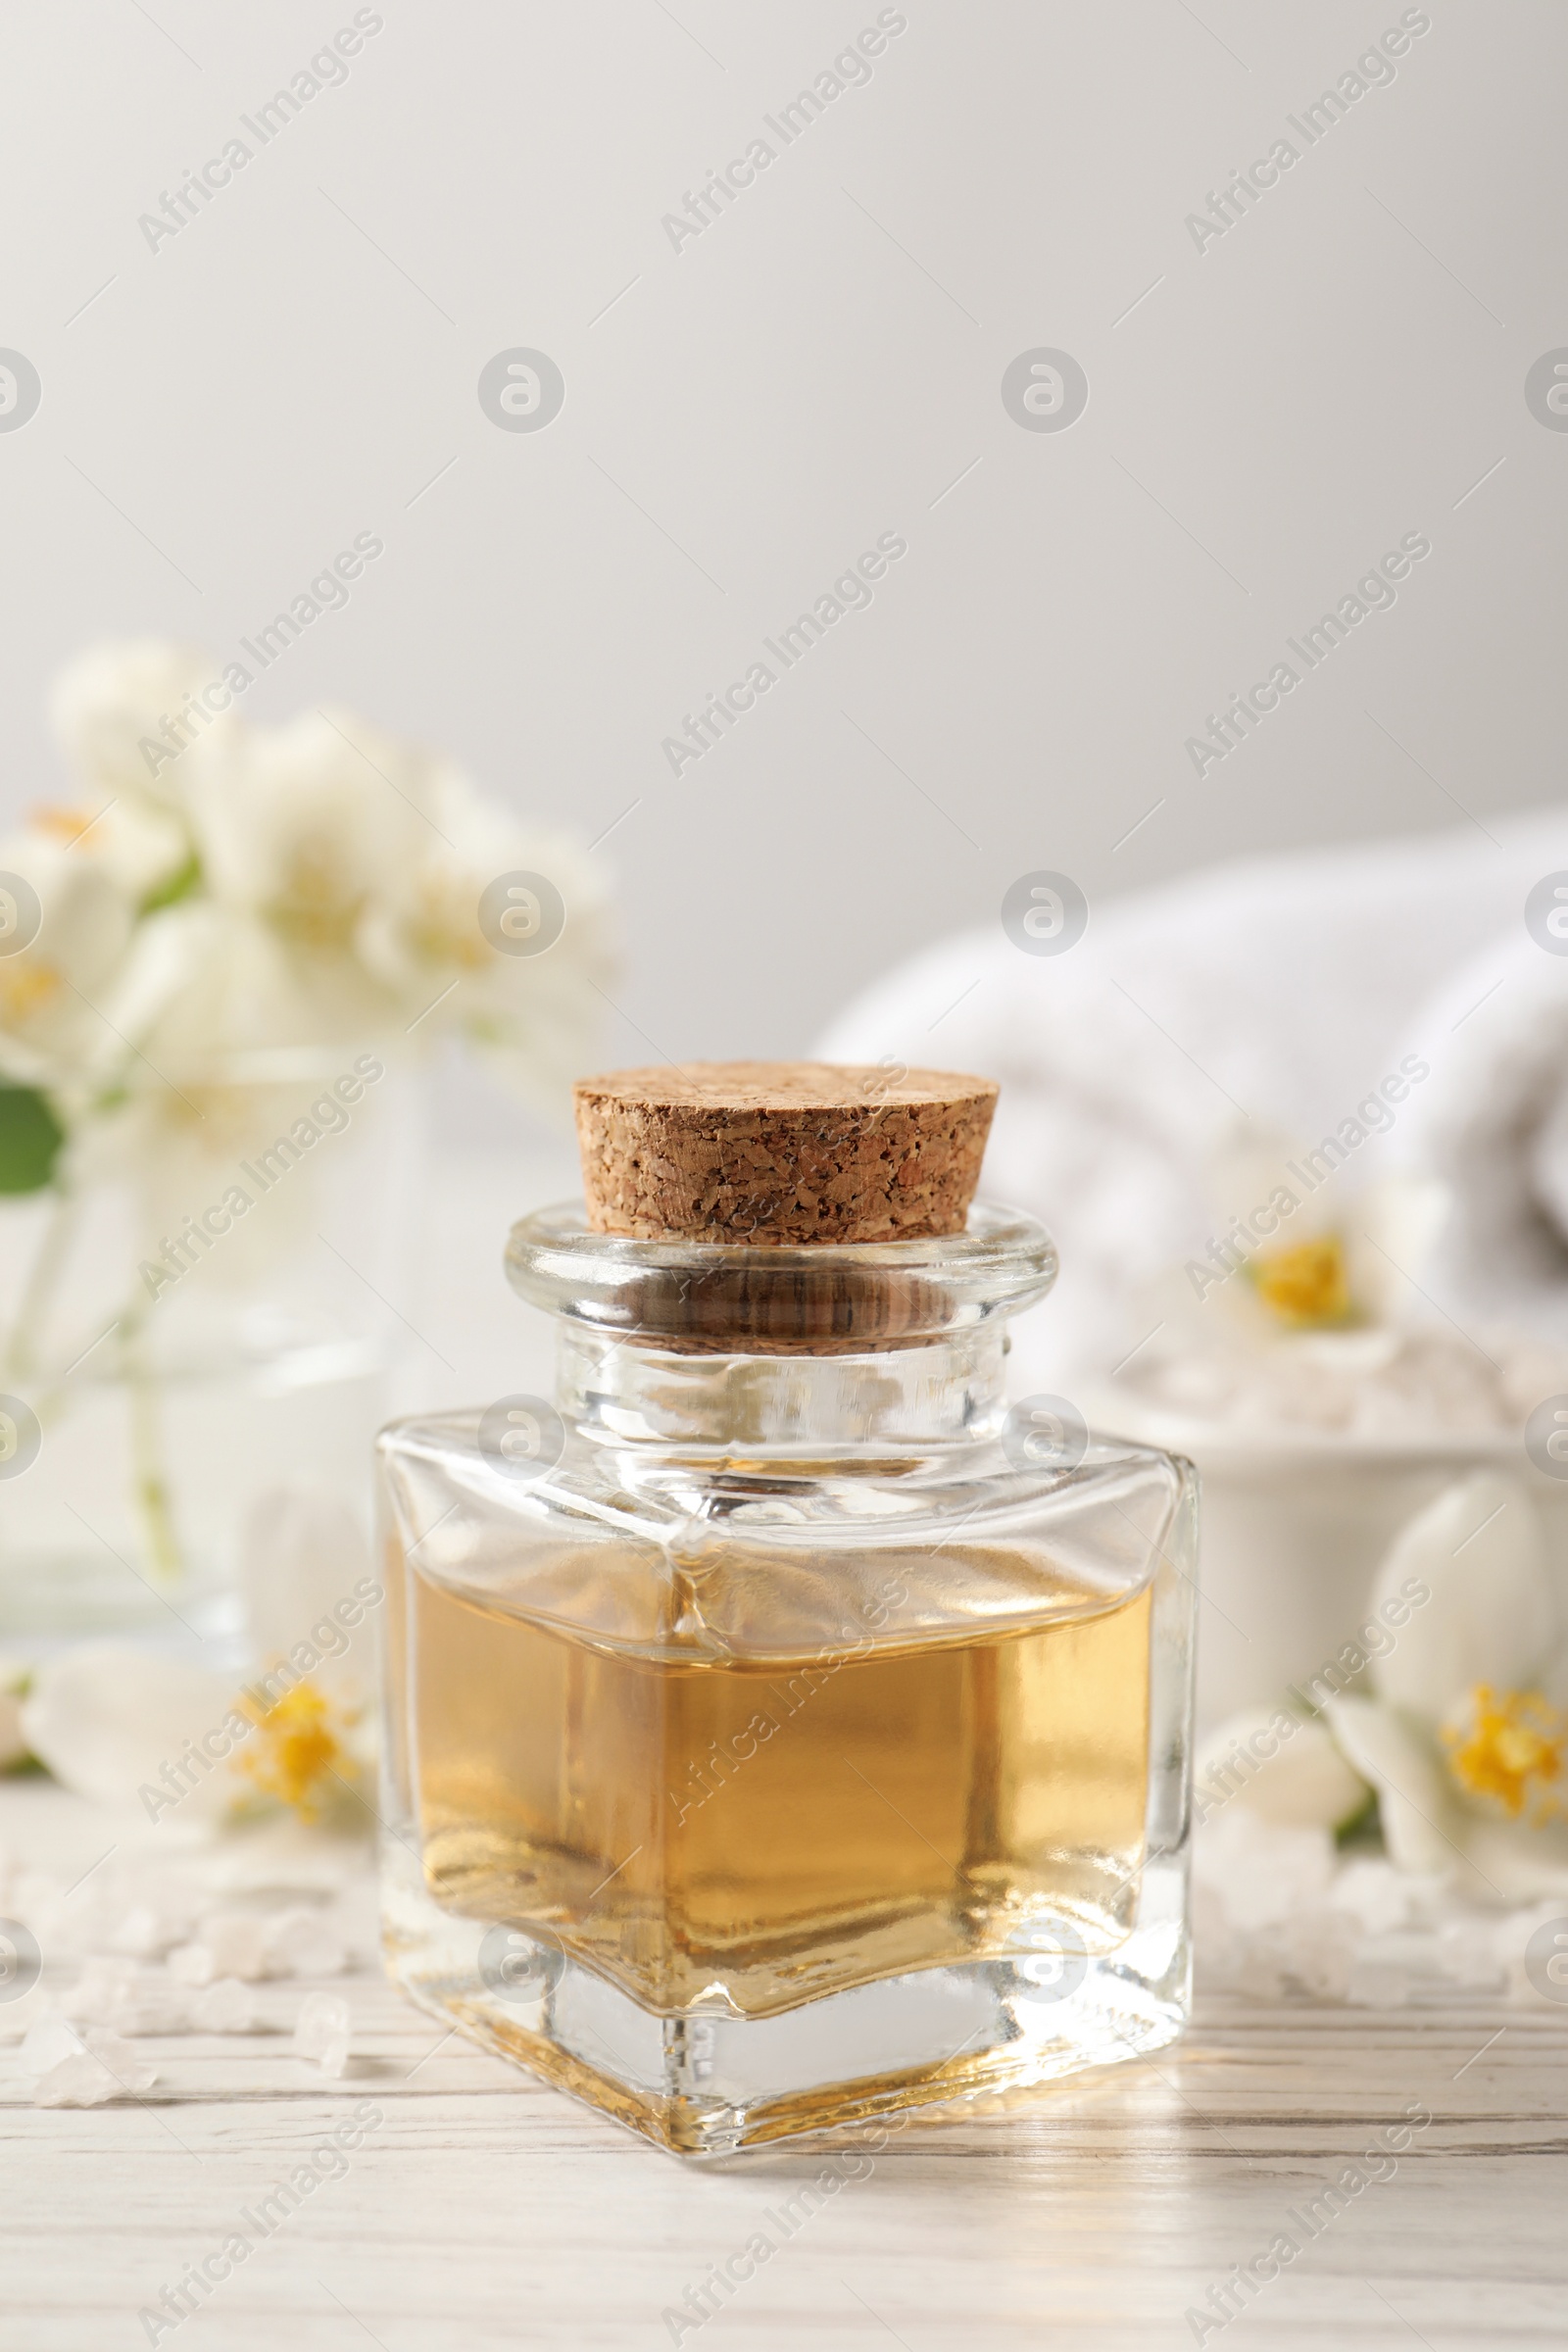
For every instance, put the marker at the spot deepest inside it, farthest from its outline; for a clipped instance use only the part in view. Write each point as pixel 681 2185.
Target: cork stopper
pixel 782 1152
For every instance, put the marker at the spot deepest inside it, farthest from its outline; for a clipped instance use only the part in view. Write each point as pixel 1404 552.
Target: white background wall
pixel 820 365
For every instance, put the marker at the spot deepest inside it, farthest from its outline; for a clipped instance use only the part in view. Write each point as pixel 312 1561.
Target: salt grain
pixel 48 2041
pixel 78 2081
pixel 1373 1892
pixel 192 1964
pixel 300 1943
pixel 237 1942
pixel 146 1934
pixel 129 2069
pixel 323 2031
pixel 155 2007
pixel 101 1993
pixel 226 2007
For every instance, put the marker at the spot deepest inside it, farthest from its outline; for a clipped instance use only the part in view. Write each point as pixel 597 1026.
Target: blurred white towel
pixel 1271 994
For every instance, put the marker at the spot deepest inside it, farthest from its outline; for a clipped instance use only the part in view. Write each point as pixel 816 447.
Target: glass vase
pixel 201 1311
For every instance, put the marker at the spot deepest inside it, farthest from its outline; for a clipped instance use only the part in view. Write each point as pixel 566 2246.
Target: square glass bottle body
pixel 780 1733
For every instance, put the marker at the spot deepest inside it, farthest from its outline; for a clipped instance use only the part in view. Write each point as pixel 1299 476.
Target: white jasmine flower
pixel 124 714
pixel 534 1015
pixel 215 993
pixel 314 823
pixel 52 990
pixel 1312 1317
pixel 1466 1740
pixel 271 889
pixel 144 849
pixel 162 1739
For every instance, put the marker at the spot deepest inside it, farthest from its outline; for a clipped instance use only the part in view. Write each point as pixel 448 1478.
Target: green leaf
pixel 30 1137
pixel 181 884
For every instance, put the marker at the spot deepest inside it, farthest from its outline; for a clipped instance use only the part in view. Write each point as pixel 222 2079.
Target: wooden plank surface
pixel 482 2209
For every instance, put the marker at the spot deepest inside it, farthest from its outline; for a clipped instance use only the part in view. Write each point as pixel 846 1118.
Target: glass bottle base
pixel 706 2081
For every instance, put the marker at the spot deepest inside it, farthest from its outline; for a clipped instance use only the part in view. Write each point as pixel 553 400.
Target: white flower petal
pixel 1423 1823
pixel 1283 1769
pixel 107 1718
pixel 316 817
pixel 302 1553
pixel 1516 1864
pixel 1396 1223
pixel 1491 1616
pixel 113 698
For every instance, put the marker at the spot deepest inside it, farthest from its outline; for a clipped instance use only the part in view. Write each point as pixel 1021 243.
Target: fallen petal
pixel 107 1718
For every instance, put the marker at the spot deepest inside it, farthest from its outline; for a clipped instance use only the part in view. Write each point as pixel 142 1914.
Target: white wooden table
pixel 483 2209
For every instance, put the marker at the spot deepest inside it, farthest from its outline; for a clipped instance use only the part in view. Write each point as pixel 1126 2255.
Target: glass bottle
pixel 779 1731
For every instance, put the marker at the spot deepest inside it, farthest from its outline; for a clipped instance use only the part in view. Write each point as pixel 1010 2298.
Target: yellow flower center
pixel 62 825
pixel 296 1753
pixel 1308 1285
pixel 1511 1753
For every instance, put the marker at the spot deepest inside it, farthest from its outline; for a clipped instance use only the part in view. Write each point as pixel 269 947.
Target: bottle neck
pixel 947 1392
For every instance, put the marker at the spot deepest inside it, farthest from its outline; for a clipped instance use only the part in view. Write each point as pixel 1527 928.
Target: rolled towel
pixel 1492 1123
pixel 1265 997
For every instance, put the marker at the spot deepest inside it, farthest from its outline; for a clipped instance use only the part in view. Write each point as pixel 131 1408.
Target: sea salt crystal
pixel 47 2042
pixel 1387 1384
pixel 146 1932
pixel 323 2031
pixel 192 1964
pixel 129 2069
pixel 301 1943
pixel 1391 1971
pixel 237 1942
pixel 228 1943
pixel 154 2006
pixel 77 2081
pixel 113 1993
pixel 1373 1892
pixel 226 2007
pixel 1262 1872
pixel 1467 1955
pixel 101 1992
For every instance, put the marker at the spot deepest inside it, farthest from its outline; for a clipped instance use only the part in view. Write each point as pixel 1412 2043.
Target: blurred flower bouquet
pixel 220 967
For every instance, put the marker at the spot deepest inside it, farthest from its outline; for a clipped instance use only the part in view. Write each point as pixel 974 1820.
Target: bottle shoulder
pixel 876 1492
pixel 631 1543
